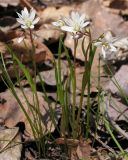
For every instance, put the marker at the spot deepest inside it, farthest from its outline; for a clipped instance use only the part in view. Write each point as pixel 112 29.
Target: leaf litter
pixel 101 13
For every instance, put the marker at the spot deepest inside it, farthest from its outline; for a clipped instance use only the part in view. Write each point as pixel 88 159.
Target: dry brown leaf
pixel 83 150
pixel 77 149
pixel 10 144
pixel 120 4
pixel 42 52
pixel 7 23
pixel 122 79
pixel 103 20
pixel 48 33
pixel 47 17
pixel 12 113
pixel 48 76
pixel 5 3
pixel 55 2
pixel 116 110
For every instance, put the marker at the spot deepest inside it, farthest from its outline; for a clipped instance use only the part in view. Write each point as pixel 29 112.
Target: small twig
pixel 103 144
pixel 26 3
pixel 12 138
pixel 121 114
pixel 118 129
pixel 114 124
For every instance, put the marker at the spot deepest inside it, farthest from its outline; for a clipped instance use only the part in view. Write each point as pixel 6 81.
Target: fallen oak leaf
pixel 42 53
pixel 11 108
pixel 83 149
pixel 10 144
pixel 5 3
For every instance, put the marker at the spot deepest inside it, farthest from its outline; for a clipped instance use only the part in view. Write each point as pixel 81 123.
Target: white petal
pixel 20 16
pixel 20 21
pixel 82 18
pixel 104 52
pixel 97 44
pixel 25 13
pixel 108 36
pixel 112 48
pixel 59 23
pixel 32 14
pixel 32 26
pixel 67 28
pixel 36 21
pixel 24 26
pixel 68 21
pixel 75 16
pixel 55 24
pixel 86 24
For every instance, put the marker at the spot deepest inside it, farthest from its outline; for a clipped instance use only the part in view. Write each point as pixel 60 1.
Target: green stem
pixel 74 88
pixel 99 98
pixel 84 83
pixel 35 96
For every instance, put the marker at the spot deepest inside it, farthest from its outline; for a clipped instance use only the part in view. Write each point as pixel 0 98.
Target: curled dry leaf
pixel 83 150
pixel 115 109
pixel 10 144
pixel 103 20
pixel 42 52
pixel 8 23
pixel 11 108
pixel 121 82
pixel 47 17
pixel 77 149
pixel 54 2
pixel 113 4
pixel 48 76
pixel 5 3
pixel 48 33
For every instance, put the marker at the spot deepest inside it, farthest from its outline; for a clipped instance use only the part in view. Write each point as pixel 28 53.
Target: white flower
pixel 106 42
pixel 75 24
pixel 26 19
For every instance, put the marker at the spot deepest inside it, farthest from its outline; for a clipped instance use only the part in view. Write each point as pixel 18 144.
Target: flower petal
pixel 104 52
pixel 32 14
pixel 59 23
pixel 85 24
pixel 75 16
pixel 24 26
pixel 20 16
pixel 20 21
pixel 67 28
pixel 82 18
pixel 112 48
pixel 97 44
pixel 32 26
pixel 68 21
pixel 36 20
pixel 25 13
pixel 55 24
